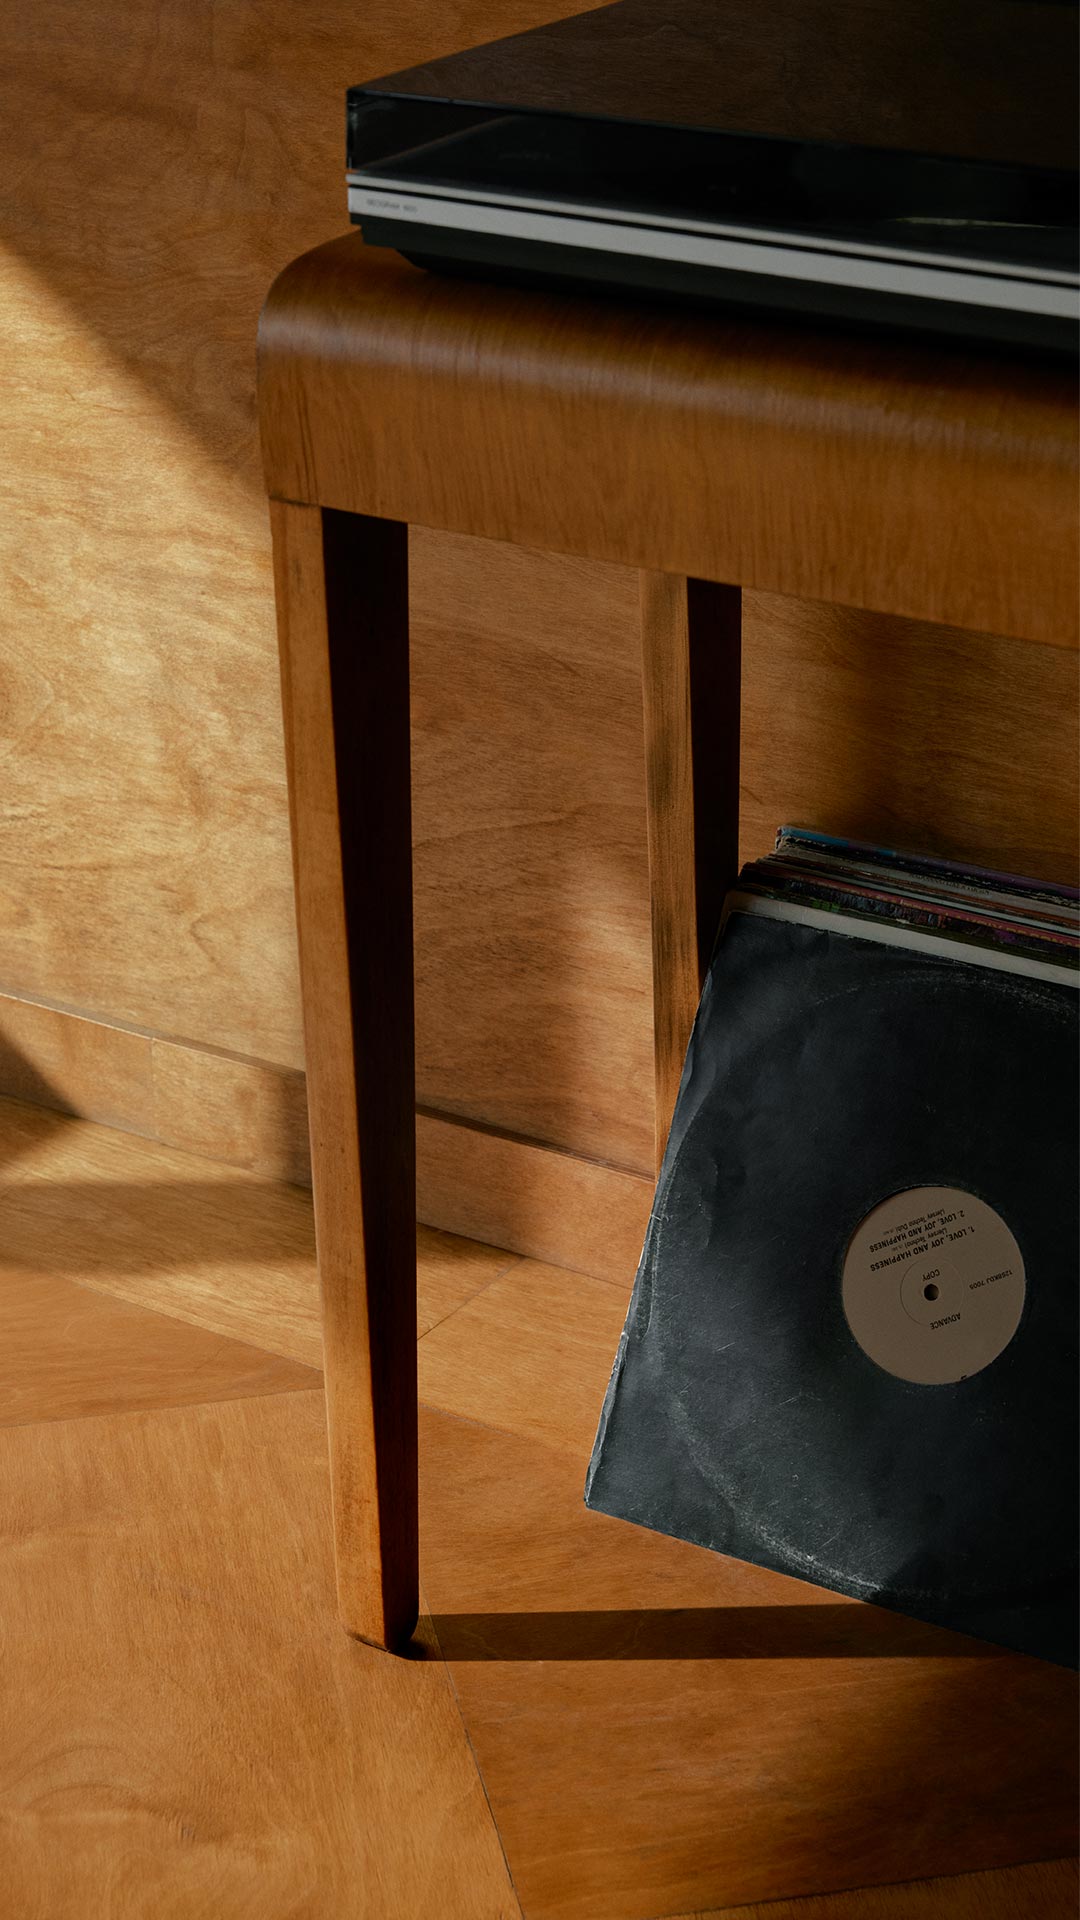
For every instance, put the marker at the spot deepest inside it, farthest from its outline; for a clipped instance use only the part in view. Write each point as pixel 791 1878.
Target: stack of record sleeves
pixel 931 906
pixel 851 1349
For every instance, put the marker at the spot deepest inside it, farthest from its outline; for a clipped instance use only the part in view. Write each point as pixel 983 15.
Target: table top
pixel 936 481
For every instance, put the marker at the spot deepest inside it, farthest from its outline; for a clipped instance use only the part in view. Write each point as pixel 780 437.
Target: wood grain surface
pixel 134 536
pixel 151 886
pixel 147 875
pixel 250 1114
pixel 62 1060
pixel 700 1733
pixel 342 599
pixel 910 479
pixel 67 1353
pixel 916 735
pixel 247 1112
pixel 190 1732
pixel 533 969
pixel 911 735
pixel 184 1729
pixel 187 1237
pixel 548 1204
pixel 524 1355
pixel 664 1730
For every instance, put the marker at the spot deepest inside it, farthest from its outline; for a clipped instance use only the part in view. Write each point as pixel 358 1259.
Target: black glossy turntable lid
pixel 989 80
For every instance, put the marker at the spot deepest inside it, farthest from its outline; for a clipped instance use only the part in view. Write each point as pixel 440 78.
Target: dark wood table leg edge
pixel 691 676
pixel 341 583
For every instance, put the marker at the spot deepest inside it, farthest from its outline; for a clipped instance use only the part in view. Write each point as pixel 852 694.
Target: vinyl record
pixel 851 1351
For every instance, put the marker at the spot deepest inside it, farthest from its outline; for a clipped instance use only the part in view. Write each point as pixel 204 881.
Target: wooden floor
pixel 598 1724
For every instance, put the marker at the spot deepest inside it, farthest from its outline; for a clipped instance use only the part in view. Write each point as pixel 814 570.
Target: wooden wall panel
pixel 146 868
pixel 159 164
pixel 249 1114
pixel 534 971
pixel 911 735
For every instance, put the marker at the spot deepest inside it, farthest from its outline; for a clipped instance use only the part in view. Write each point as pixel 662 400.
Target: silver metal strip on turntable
pixel 374 180
pixel 778 255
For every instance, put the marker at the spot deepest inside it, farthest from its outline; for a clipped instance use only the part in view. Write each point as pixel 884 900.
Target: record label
pixel 933 1285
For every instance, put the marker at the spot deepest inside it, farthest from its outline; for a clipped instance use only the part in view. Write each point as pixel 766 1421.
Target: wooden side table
pixel 711 455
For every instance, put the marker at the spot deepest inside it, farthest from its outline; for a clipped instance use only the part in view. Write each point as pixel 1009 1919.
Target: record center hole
pixel 930 1292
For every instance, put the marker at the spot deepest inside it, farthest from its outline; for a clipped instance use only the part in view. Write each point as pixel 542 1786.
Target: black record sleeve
pixel 826 1073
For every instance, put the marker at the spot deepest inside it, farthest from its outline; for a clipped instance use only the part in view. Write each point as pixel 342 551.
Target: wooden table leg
pixel 344 631
pixel 690 640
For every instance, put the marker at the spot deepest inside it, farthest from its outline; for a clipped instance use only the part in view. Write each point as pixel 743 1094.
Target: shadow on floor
pixel 33 1109
pixel 845 1631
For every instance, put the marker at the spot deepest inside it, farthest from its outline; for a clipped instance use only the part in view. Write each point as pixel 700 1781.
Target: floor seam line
pixel 176 1406
pixel 483 1288
pixel 476 1763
